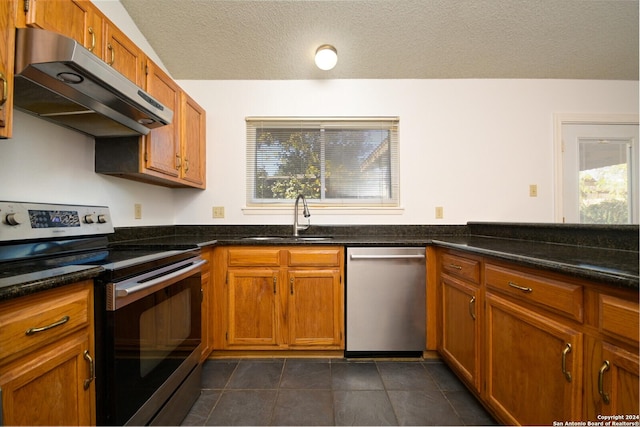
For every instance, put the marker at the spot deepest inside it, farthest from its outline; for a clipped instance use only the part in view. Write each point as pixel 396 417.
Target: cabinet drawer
pixel 464 268
pixel 314 257
pixel 44 317
pixel 266 257
pixel 618 317
pixel 563 298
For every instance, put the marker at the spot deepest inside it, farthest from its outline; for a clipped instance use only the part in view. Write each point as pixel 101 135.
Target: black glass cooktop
pixel 118 261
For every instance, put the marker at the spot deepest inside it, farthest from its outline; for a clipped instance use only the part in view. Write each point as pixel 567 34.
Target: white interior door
pixel 600 173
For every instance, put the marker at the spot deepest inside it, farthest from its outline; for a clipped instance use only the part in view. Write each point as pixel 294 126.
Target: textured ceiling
pixel 392 39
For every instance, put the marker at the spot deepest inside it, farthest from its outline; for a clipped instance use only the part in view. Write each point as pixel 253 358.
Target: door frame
pixel 560 119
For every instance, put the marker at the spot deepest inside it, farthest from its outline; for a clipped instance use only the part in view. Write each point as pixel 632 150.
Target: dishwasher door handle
pixel 417 256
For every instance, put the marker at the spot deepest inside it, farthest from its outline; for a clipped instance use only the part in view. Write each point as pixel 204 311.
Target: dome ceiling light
pixel 326 57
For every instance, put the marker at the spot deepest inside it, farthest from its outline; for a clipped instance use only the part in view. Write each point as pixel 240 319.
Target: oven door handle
pixel 165 279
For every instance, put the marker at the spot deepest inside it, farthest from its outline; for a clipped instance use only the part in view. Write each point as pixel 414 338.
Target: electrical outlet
pixel 439 212
pixel 137 211
pixel 533 190
pixel 218 211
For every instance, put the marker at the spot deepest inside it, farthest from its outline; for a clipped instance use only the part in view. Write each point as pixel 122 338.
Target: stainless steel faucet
pixel 305 213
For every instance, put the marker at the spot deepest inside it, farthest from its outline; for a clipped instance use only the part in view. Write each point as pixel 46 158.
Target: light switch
pixel 137 211
pixel 439 212
pixel 533 190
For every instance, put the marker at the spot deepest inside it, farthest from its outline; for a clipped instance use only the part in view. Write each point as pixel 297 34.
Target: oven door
pixel 153 335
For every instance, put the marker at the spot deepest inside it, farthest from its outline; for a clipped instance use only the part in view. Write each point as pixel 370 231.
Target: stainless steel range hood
pixel 59 80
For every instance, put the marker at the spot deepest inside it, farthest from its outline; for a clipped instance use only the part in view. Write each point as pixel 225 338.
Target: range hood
pixel 59 80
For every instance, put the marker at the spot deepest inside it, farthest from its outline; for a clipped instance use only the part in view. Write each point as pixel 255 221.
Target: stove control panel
pixel 23 221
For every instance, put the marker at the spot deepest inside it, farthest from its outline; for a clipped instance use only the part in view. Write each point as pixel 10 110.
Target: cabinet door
pixel 534 365
pixel 123 55
pixel 78 19
pixel 162 150
pixel 55 376
pixel 7 52
pixel 618 383
pixel 315 307
pixel 193 140
pixel 252 306
pixel 460 328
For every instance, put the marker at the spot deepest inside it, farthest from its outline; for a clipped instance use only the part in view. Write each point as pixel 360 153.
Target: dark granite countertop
pixel 610 266
pixel 607 255
pixel 607 265
pixel 26 284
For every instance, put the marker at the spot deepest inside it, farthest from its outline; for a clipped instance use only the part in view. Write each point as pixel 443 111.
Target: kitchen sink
pixel 261 238
pixel 299 238
pixel 312 238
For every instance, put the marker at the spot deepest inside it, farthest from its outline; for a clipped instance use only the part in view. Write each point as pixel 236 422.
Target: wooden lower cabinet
pixel 534 365
pixel 252 295
pixel 617 382
pixel 460 328
pixel 612 366
pixel 47 388
pixel 314 308
pixel 46 357
pixel 279 298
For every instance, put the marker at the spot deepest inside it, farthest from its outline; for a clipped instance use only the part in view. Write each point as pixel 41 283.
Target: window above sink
pixel 346 162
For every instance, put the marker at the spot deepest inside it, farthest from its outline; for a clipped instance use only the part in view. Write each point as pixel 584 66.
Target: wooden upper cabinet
pixel 193 141
pixel 123 55
pixel 78 19
pixel 7 48
pixel 162 145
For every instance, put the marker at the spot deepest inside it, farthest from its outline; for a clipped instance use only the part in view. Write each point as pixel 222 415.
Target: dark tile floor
pixel 333 392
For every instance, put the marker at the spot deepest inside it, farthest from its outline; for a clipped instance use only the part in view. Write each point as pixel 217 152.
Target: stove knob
pixel 88 219
pixel 14 218
pixel 102 219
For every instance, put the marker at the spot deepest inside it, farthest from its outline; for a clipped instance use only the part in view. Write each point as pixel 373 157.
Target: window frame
pixel 317 123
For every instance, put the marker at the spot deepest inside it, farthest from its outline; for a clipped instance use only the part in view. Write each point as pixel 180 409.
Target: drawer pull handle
pixel 520 288
pixel 455 266
pixel 291 285
pixel 604 368
pixel 566 373
pixel 472 303
pixel 92 370
pixel 60 322
pixel 275 281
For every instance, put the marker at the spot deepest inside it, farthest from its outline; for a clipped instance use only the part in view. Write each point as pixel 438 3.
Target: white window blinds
pixel 332 161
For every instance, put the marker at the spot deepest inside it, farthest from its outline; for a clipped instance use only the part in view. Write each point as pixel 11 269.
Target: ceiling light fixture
pixel 326 57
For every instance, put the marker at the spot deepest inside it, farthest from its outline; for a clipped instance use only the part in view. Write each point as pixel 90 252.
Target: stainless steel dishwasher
pixel 385 298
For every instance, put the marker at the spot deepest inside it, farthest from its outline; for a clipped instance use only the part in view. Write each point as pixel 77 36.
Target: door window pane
pixel 604 181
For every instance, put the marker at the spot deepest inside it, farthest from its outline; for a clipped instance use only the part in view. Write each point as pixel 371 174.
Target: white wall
pixel 44 162
pixel 470 146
